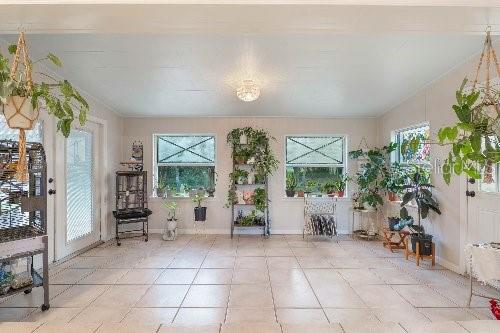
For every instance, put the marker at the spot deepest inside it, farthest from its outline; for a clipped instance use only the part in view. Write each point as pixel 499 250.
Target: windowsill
pixel 155 198
pixel 285 198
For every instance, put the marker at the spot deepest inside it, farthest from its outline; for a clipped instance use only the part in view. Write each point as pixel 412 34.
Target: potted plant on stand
pixel 200 213
pixel 170 230
pixel 291 184
pixel 419 191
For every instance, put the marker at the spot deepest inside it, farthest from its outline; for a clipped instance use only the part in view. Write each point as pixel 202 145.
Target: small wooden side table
pixel 418 256
pixel 390 243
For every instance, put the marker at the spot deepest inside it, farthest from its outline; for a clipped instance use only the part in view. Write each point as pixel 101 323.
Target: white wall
pixel 286 213
pixel 433 104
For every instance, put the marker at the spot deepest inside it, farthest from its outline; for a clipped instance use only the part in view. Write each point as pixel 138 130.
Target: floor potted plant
pixel 170 230
pixel 200 213
pixel 419 191
pixel 291 184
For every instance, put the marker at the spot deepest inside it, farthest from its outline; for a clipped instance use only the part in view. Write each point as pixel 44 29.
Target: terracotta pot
pixel 392 196
pixel 25 118
pixel 340 194
pixel 300 194
pixel 239 160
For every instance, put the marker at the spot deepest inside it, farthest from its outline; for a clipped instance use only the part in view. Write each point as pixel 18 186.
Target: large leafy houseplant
pixel 394 180
pixel 419 191
pixel 374 169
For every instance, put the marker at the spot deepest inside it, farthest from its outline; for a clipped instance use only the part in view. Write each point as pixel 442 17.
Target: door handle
pixel 51 192
pixel 471 194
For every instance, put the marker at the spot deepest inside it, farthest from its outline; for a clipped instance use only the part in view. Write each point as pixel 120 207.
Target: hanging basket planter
pixel 19 113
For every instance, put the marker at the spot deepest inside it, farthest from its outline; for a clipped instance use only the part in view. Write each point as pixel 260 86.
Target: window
pixel 6 133
pixel 489 181
pixel 314 159
pixel 185 162
pixel 422 154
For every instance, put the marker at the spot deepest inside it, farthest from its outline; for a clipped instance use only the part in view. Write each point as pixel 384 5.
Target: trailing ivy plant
pixel 259 199
pixel 375 169
pixel 58 97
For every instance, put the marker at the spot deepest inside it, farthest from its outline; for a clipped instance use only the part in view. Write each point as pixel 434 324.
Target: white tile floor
pixel 280 284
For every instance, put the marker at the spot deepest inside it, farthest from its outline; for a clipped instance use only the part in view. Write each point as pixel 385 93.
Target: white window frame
pixel 155 155
pixel 344 154
pixel 396 155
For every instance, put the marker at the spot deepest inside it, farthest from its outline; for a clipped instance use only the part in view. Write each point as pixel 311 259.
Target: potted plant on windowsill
pixel 161 188
pixel 300 192
pixel 341 183
pixel 394 180
pixel 419 191
pixel 330 188
pixel 310 187
pixel 200 213
pixel 291 184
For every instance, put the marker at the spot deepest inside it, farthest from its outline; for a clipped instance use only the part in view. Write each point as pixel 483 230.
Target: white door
pixel 77 202
pixel 483 205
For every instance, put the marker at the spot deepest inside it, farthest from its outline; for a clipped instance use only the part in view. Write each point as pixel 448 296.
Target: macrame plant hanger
pixel 21 55
pixel 489 54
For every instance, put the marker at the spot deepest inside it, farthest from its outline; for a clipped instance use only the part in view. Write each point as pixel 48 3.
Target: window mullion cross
pixel 183 149
pixel 312 150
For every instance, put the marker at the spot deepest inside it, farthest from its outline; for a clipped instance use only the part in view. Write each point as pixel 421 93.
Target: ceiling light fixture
pixel 248 91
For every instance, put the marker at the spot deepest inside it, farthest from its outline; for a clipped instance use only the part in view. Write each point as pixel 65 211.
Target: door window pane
pixel 79 184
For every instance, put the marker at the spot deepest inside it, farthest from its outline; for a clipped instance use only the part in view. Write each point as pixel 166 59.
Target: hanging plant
pixel 21 97
pixel 474 137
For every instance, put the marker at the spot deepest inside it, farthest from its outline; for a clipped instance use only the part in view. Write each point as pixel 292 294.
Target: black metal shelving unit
pixel 23 214
pixel 265 228
pixel 131 204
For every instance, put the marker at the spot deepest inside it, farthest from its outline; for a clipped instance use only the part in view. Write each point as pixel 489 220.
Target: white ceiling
pixel 317 61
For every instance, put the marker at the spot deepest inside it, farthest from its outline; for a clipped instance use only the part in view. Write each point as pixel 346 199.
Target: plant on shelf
pixel 200 213
pixel 394 180
pixel 420 192
pixel 252 147
pixel 330 188
pixel 21 97
pixel 239 176
pixel 372 173
pixel 291 184
pixel 260 199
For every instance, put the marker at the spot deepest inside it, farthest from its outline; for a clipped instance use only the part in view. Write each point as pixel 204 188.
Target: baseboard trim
pixel 446 264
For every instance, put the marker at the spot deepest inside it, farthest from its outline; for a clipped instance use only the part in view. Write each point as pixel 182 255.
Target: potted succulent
pixel 170 231
pixel 200 213
pixel 291 184
pixel 419 191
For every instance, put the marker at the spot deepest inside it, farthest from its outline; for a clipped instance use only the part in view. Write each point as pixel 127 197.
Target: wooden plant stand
pixel 418 256
pixel 390 243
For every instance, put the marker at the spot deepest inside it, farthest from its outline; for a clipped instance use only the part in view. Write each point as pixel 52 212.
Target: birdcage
pixel 23 215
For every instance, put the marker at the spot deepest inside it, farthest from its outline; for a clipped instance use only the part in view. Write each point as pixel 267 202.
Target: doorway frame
pixel 102 186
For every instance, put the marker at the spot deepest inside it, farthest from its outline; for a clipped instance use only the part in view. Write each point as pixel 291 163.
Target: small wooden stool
pixel 418 256
pixel 392 245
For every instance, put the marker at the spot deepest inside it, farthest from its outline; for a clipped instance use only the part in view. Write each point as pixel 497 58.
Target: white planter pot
pixel 19 113
pixel 243 139
pixel 171 225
